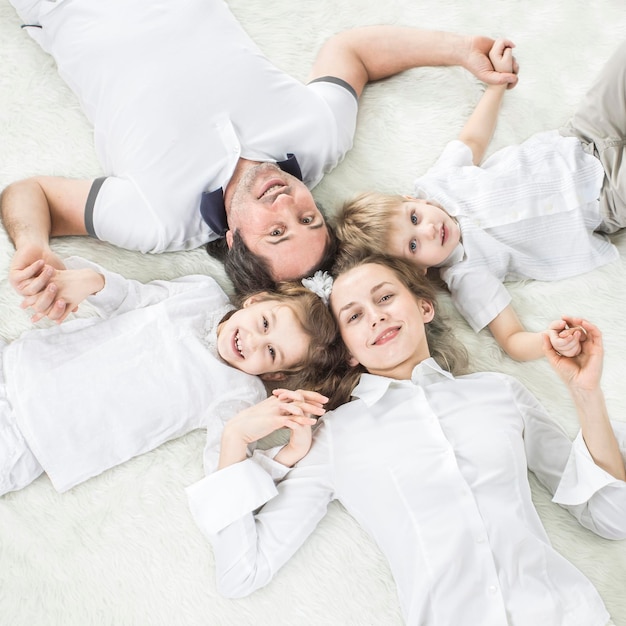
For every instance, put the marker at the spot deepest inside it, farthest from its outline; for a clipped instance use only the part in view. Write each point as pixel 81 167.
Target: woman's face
pixel 381 321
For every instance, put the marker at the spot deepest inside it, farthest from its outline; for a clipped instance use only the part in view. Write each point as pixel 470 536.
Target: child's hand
pixel 65 290
pixel 311 403
pixel 283 409
pixel 298 446
pixel 501 56
pixel 566 338
pixel 584 370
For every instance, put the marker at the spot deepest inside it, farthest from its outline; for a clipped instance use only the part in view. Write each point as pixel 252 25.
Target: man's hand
pixel 28 273
pixel 478 61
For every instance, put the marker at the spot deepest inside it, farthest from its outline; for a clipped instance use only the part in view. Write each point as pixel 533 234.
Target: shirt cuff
pixel 581 478
pixel 265 459
pixel 115 287
pixel 225 496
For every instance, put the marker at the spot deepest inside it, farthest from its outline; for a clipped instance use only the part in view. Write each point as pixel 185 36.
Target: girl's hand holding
pixel 64 291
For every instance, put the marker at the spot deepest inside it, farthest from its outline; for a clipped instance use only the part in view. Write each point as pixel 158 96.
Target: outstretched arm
pixel 523 345
pixel 65 290
pixel 33 210
pixel 582 374
pixel 370 53
pixel 480 126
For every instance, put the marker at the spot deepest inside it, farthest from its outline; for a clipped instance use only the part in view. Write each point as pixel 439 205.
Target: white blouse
pixel 92 393
pixel 435 469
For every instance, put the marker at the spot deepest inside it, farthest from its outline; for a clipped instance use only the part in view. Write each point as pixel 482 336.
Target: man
pixel 201 136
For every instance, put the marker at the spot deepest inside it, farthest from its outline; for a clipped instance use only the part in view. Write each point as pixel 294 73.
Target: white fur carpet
pixel 122 548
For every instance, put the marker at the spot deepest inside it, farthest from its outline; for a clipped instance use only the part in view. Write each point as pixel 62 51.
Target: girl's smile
pixel 263 337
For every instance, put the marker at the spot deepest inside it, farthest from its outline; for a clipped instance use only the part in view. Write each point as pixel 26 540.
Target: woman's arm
pixel 593 496
pixel 582 374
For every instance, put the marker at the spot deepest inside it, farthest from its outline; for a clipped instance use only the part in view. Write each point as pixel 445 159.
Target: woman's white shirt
pixel 435 469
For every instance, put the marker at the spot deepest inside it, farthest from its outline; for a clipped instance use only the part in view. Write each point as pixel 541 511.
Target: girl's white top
pixel 435 469
pixel 529 211
pixel 92 393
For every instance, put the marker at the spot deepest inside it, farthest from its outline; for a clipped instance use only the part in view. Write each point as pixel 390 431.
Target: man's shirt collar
pixel 212 207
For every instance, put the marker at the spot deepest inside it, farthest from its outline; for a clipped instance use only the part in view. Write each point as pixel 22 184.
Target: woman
pixel 433 466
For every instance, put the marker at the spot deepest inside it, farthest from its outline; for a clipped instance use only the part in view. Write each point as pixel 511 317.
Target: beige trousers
pixel 600 124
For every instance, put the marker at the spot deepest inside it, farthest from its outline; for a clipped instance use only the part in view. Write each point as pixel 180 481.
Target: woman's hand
pixel 581 372
pixel 566 339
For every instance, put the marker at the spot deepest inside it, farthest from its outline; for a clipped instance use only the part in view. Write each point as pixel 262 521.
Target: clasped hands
pixel 297 410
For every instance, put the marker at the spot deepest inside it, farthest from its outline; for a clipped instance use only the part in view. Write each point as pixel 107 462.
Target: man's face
pixel 278 220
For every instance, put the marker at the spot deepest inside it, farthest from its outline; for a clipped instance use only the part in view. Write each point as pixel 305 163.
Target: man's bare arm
pixel 33 210
pixel 370 53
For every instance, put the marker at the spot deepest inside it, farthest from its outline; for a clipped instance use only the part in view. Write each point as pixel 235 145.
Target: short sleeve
pixel 343 105
pixel 477 294
pixel 120 214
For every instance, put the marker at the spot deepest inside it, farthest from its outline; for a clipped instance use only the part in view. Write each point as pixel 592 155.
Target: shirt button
pixel 480 540
pixel 493 589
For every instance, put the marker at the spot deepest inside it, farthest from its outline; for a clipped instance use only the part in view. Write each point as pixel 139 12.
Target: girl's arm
pixel 113 294
pixel 65 290
pixel 523 345
pixel 480 126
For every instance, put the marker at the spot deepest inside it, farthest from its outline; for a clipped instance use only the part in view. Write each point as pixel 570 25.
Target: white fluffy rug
pixel 122 549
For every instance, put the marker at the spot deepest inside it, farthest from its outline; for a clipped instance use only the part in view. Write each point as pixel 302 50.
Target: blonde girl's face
pixel 423 233
pixel 381 321
pixel 262 338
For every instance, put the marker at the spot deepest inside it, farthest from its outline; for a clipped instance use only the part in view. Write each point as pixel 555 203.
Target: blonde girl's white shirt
pixel 529 211
pixel 435 469
pixel 92 393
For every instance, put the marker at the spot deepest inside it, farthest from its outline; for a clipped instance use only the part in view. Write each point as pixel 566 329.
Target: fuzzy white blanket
pixel 122 549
